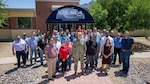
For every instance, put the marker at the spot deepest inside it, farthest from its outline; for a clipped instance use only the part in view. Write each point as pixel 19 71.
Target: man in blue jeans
pixel 126 49
pixel 58 45
pixel 32 43
pixel 92 49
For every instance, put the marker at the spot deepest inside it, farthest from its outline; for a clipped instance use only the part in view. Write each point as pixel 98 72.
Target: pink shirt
pixel 69 47
pixel 51 51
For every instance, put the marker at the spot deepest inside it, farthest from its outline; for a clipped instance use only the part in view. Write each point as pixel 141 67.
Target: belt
pixel 20 51
pixel 125 50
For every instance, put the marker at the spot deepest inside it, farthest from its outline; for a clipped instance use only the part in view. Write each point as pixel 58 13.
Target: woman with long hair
pixel 106 53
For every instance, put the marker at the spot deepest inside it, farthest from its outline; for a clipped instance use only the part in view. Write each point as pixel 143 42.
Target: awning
pixel 70 14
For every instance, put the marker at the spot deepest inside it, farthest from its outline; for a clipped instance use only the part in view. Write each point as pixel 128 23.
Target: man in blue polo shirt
pixel 126 49
pixel 32 43
pixel 117 47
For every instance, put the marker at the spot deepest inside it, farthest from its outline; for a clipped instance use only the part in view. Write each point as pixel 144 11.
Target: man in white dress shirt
pixel 18 49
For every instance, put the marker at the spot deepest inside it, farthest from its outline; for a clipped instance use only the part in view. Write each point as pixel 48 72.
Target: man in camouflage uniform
pixel 79 50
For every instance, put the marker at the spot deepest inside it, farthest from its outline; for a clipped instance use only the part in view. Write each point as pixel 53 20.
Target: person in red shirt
pixel 79 29
pixel 64 54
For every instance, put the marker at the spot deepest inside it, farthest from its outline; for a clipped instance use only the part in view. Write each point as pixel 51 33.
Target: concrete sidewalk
pixel 93 78
pixel 141 55
pixel 8 60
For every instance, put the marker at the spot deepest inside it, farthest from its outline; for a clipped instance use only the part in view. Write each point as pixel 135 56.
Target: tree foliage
pixel 100 15
pixel 121 14
pixel 3 14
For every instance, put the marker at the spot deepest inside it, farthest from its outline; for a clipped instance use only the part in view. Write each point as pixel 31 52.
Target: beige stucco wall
pixel 5 34
pixel 139 32
pixel 21 13
pixel 21 31
pixel 10 34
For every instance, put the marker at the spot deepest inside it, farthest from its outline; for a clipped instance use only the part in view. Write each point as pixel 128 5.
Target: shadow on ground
pixel 101 74
pixel 11 70
pixel 44 82
pixel 34 67
pixel 115 65
pixel 73 76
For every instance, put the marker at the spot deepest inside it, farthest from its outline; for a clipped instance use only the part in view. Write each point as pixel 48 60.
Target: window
pixel 24 22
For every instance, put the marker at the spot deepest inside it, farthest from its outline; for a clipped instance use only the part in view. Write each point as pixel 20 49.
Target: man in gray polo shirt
pixel 51 54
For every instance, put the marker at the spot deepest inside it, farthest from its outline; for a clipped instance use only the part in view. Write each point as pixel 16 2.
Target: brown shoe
pixel 83 73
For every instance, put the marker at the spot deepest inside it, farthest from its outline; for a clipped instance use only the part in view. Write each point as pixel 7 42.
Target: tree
pixel 138 14
pixel 3 14
pixel 99 14
pixel 122 14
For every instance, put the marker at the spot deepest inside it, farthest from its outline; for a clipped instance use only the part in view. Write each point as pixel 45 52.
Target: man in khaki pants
pixel 51 54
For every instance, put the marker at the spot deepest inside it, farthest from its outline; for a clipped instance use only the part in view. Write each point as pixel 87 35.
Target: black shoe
pixel 122 70
pixel 58 71
pixel 124 74
pixel 106 74
pixel 54 76
pixel 101 71
pixel 24 66
pixel 113 63
pixel 62 71
pixel 52 79
pixel 83 73
pixel 75 73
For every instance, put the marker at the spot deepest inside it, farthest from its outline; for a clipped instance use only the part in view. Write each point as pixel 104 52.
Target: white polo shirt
pixel 103 40
pixel 19 45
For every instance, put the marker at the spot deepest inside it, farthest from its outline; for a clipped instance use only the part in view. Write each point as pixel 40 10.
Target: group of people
pixel 81 45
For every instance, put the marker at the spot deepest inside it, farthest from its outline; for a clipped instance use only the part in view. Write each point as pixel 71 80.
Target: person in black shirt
pixel 91 52
pixel 41 46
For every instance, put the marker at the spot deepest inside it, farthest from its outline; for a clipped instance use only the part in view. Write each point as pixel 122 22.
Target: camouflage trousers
pixel 76 59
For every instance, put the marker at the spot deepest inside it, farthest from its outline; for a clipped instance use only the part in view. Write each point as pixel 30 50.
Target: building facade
pixel 26 20
pixel 45 7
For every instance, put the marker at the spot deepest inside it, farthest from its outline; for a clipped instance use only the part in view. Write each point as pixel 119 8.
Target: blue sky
pixel 28 3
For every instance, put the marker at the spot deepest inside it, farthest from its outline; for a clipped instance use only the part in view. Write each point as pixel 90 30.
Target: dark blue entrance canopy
pixel 70 14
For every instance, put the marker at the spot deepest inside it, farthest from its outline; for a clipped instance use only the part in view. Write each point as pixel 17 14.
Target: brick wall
pixel 44 9
pixel 34 22
pixel 12 21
